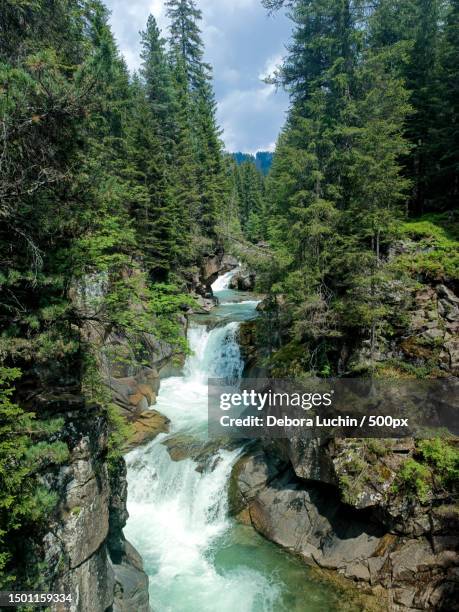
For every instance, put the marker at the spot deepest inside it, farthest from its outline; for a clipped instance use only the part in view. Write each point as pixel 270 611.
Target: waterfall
pixel 196 557
pixel 177 514
pixel 223 281
pixel 217 354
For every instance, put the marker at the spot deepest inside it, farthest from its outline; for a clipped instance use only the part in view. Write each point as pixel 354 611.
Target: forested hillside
pixel 262 159
pixel 112 188
pixel 362 197
pixel 118 205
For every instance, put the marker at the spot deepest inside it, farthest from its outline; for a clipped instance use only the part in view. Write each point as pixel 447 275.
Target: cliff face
pixel 82 548
pixel 340 504
pixel 402 551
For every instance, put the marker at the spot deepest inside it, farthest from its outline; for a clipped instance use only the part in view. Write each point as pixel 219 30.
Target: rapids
pixel 196 557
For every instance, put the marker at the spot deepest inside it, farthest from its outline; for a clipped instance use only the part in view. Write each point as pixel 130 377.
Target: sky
pixel 243 44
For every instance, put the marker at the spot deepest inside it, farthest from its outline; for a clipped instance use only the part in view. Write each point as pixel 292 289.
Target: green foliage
pixel 249 185
pixel 112 187
pixel 437 467
pixel 443 457
pixel 43 453
pixel 413 480
pixel 120 432
pixel 434 256
pixel 336 180
pixel 360 148
pixel 13 468
pixel 23 501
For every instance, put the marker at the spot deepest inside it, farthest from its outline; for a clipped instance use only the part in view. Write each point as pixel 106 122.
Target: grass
pixel 436 255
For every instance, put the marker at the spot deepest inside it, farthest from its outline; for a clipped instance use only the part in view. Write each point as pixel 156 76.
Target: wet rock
pixel 135 394
pixel 131 583
pixel 204 305
pixel 146 427
pixel 301 518
pixel 243 281
pixel 205 453
pixel 311 521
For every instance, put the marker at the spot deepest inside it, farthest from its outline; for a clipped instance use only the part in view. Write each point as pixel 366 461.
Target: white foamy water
pixel 223 281
pixel 177 514
pixel 197 560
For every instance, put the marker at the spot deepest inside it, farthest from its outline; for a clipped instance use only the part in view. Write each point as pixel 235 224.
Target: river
pixel 197 557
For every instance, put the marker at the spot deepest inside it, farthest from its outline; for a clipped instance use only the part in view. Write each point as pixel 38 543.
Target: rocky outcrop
pixel 243 281
pixel 83 544
pixel 416 562
pixel 131 583
pixel 428 341
pixel 200 279
pixel 146 427
pixel 251 353
pixel 83 551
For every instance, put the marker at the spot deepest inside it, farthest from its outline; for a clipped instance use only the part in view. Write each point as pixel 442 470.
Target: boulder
pixel 146 427
pixel 243 281
pixel 310 520
pixel 131 583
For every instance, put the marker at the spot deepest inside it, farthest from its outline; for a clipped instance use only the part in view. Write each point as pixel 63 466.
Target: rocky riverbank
pixel 82 548
pixel 381 513
pixel 401 551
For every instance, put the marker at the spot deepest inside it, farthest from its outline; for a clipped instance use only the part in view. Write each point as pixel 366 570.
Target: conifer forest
pixel 121 215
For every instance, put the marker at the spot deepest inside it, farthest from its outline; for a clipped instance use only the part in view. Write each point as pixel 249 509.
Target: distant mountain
pixel 263 159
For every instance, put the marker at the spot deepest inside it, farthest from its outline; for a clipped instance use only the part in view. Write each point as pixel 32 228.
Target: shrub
pixel 413 479
pixel 443 457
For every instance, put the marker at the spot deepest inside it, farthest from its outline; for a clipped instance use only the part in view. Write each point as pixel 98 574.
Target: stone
pixel 447 294
pixel 148 392
pixel 243 281
pixel 375 565
pixel 404 597
pixel 433 334
pixel 357 571
pixel 146 427
pixel 452 347
pixel 131 583
pixel 408 560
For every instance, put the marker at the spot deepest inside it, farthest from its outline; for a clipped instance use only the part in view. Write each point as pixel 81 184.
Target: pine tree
pixel 251 196
pixel 336 179
pixel 195 83
pixel 156 74
pixel 186 42
pixel 447 149
pixel 154 208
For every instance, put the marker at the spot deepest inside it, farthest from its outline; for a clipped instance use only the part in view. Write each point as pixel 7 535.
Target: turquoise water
pixel 197 558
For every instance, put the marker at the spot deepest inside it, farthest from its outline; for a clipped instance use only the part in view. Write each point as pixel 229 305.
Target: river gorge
pixel 196 556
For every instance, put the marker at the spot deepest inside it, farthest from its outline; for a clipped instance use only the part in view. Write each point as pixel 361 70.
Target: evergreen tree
pixel 197 111
pixel 186 42
pixel 447 149
pixel 156 74
pixel 336 179
pixel 251 196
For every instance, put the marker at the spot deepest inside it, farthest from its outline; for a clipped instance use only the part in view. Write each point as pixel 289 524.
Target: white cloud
pixel 243 45
pixel 230 75
pixel 158 10
pixel 272 64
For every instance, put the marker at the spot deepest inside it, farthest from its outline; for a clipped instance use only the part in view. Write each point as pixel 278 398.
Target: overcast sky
pixel 242 43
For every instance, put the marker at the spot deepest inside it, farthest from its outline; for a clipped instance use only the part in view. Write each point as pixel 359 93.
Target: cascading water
pixel 193 552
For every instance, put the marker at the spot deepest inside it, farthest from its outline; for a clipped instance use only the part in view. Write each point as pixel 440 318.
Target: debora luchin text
pixel 271 399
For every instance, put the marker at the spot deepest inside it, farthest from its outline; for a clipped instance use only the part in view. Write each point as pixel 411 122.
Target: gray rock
pixel 243 281
pixel 447 294
pixel 131 583
pixel 309 520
